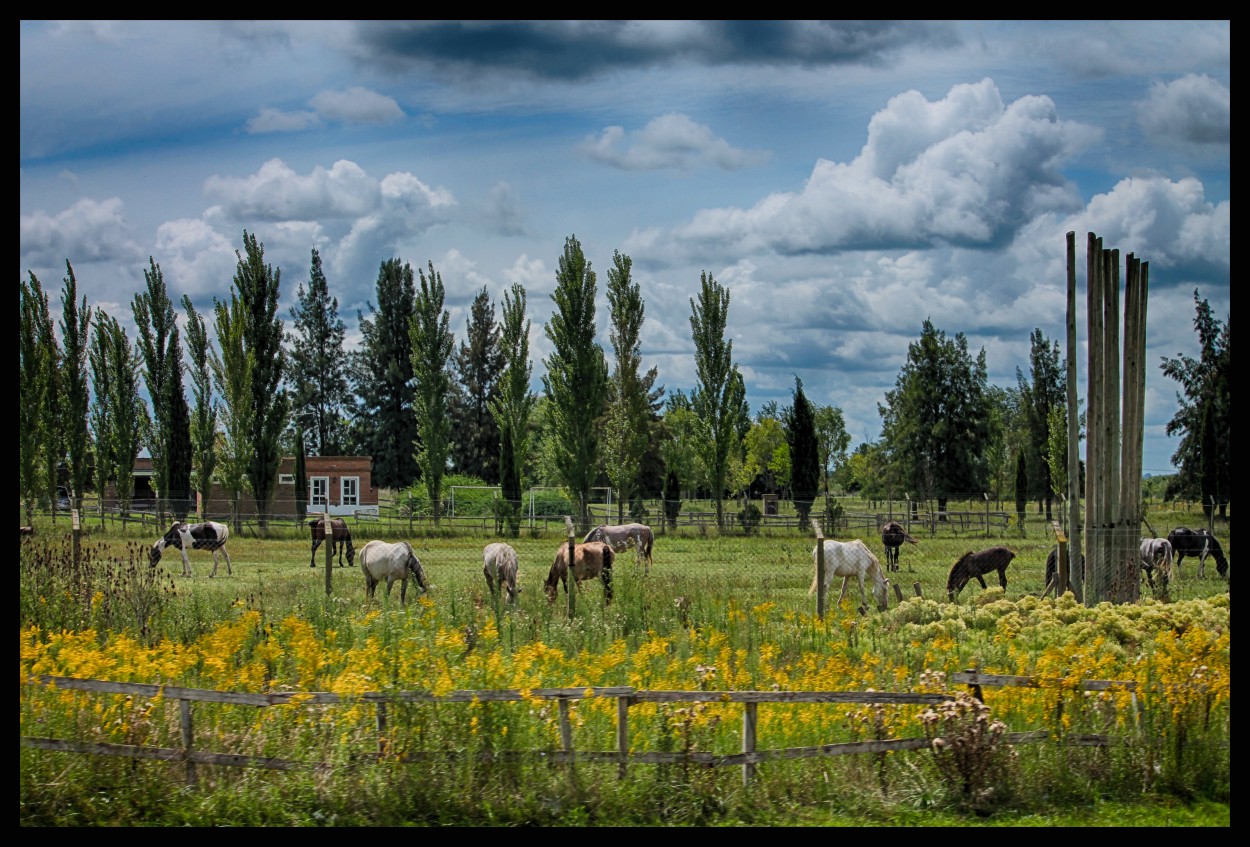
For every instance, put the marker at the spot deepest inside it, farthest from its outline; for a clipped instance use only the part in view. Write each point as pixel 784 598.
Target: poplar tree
pixel 37 370
pixel 75 329
pixel 204 415
pixel 319 366
pixel 301 476
pixel 382 374
pixel 432 343
pixel 1046 390
pixel 719 396
pixel 232 368
pixel 576 378
pixel 805 465
pixel 258 286
pixel 479 366
pixel 514 404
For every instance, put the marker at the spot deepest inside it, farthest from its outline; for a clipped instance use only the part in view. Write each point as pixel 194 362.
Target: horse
pixel 390 561
pixel 590 559
pixel 853 559
pixel 622 536
pixel 1200 543
pixel 1156 553
pixel 892 537
pixel 1052 567
pixel 499 564
pixel 340 540
pixel 975 566
pixel 209 535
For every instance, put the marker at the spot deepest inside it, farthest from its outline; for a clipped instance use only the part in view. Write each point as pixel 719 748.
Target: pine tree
pixel 804 454
pixel 258 286
pixel 1047 390
pixel 479 366
pixel 319 365
pixel 382 374
pixel 576 378
pixel 204 415
pixel 719 398
pixel 432 343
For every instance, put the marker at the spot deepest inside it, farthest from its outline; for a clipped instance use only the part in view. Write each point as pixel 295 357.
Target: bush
pixel 750 518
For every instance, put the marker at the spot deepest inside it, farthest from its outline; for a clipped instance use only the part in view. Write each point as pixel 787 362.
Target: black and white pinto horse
pixel 892 537
pixel 626 535
pixel 976 565
pixel 1200 543
pixel 340 540
pixel 852 559
pixel 499 564
pixel 209 535
pixel 1156 553
pixel 385 561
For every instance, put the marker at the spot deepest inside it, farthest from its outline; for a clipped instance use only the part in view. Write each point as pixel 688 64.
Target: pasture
pixel 715 612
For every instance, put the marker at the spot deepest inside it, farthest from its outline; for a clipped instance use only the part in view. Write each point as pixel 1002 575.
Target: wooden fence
pixel 626 696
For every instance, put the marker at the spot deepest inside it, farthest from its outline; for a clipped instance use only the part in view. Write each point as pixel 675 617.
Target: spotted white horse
pixel 182 536
pixel 623 536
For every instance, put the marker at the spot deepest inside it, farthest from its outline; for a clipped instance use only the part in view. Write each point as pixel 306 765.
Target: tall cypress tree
pixel 301 476
pixel 258 286
pixel 514 404
pixel 382 372
pixel 37 370
pixel 204 415
pixel 479 366
pixel 509 482
pixel 576 378
pixel 319 365
pixel 805 470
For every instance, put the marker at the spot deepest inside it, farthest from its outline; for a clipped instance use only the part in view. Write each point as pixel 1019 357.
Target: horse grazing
pixel 209 535
pixel 852 559
pixel 622 536
pixel 892 537
pixel 975 566
pixel 1200 543
pixel 591 559
pixel 340 540
pixel 500 567
pixel 390 561
pixel 1156 553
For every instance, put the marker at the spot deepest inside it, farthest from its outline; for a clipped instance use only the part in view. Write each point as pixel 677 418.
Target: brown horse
pixel 892 537
pixel 976 565
pixel 340 540
pixel 591 559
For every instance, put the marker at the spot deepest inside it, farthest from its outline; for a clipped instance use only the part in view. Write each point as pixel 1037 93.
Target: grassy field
pixel 716 612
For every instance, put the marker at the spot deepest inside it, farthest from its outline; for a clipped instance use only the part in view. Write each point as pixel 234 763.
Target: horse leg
pixel 312 561
pixel 186 563
pixel 1002 578
pixel 214 573
pixel 846 581
pixel 981 579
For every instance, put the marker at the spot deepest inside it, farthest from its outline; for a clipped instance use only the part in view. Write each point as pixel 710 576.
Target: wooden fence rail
pixel 626 696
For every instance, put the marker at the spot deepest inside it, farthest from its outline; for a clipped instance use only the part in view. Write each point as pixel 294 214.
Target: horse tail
pixel 351 548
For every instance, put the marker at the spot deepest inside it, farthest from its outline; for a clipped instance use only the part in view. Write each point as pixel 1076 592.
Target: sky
pixel 845 181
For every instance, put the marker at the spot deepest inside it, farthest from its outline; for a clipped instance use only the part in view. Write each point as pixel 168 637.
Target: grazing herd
pixel 595 556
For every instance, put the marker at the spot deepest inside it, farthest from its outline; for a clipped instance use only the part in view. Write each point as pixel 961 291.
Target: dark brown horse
pixel 340 540
pixel 976 565
pixel 892 537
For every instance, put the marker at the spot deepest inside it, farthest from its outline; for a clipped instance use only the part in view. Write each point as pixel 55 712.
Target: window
pixel 350 491
pixel 318 491
pixel 286 479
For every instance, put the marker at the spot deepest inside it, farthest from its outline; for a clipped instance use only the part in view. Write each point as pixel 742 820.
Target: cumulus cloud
pixel 357 105
pixel 1194 108
pixel 88 231
pixel 194 259
pixel 277 193
pixel 407 208
pixel 671 141
pixel 965 170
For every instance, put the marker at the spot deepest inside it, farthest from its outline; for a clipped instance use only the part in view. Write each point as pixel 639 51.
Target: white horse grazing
pixel 499 564
pixel 182 536
pixel 622 536
pixel 384 560
pixel 853 559
pixel 1156 553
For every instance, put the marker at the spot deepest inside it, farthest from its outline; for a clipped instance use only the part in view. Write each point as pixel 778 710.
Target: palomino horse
pixel 390 561
pixel 209 535
pixel 623 536
pixel 340 540
pixel 976 565
pixel 1200 543
pixel 591 559
pixel 892 537
pixel 499 564
pixel 853 559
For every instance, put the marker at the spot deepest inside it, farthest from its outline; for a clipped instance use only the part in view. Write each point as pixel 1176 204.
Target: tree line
pixel 424 407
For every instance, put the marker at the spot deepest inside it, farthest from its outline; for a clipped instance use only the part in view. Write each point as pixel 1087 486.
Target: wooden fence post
pixel 750 715
pixel 622 734
pixel 327 537
pixel 820 570
pixel 571 585
pixel 188 739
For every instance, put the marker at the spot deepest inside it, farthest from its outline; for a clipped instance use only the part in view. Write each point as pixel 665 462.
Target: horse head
pixel 959 575
pixel 413 566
